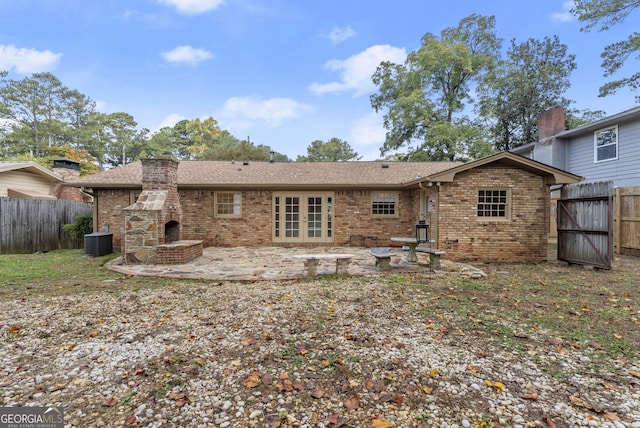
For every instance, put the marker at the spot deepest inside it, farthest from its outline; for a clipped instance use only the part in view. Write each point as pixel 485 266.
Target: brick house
pixel 492 209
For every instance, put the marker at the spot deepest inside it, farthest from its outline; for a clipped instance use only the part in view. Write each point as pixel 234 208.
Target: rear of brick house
pixel 492 209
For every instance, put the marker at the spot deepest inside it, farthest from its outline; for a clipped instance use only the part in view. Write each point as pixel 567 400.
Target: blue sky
pixel 281 72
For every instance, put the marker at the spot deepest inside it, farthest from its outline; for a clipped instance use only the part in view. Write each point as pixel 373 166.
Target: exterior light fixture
pixel 422 231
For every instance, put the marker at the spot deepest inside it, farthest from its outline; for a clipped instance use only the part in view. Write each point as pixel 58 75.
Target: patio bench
pixel 383 257
pixel 434 255
pixel 311 262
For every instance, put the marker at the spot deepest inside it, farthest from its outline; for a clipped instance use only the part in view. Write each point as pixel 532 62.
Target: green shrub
pixel 82 225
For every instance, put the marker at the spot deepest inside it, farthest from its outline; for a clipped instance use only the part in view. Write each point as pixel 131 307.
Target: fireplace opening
pixel 171 232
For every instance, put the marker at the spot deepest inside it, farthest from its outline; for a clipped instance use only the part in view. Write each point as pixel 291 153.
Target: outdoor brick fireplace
pixel 152 224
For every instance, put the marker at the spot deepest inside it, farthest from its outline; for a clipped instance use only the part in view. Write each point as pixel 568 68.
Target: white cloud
pixel 26 61
pixel 565 15
pixel 244 112
pixel 171 120
pixel 368 131
pixel 356 71
pixel 339 35
pixel 193 7
pixel 187 55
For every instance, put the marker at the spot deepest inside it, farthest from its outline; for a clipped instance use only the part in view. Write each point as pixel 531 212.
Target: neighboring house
pixel 605 150
pixel 492 209
pixel 29 180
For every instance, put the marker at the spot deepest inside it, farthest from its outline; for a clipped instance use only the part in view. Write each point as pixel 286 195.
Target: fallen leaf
pixel 131 420
pixel 14 329
pixel 252 380
pixel 433 372
pixel 317 393
pixel 427 389
pixel 532 397
pixel 110 402
pixel 634 373
pixel 249 341
pixel 380 423
pixel 550 423
pixel 267 379
pixel 352 403
pixel 610 416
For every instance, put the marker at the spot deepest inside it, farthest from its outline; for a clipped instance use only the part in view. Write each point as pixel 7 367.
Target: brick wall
pixel 521 238
pixel 351 216
pixel 176 254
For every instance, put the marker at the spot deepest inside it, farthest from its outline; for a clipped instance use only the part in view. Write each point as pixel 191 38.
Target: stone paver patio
pixel 270 263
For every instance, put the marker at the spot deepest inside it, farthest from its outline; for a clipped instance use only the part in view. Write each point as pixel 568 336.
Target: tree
pixel 604 14
pixel 425 97
pixel 79 110
pixel 530 80
pixel 36 104
pixel 122 131
pixel 333 150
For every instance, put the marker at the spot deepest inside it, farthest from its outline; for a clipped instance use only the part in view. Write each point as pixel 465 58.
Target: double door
pixel 303 217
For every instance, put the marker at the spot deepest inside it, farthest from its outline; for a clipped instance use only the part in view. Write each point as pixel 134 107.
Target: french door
pixel 303 217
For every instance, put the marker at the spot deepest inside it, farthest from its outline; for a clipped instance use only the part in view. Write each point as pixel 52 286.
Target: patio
pixel 275 263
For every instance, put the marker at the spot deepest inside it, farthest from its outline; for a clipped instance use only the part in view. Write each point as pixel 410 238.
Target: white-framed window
pixel 606 144
pixel 228 204
pixel 384 204
pixel 494 204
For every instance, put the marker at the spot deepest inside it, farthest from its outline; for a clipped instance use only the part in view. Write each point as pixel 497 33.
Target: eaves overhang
pixel 552 175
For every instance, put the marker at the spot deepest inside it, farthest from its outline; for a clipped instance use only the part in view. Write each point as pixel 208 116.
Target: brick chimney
pixel 155 218
pixel 550 122
pixel 68 169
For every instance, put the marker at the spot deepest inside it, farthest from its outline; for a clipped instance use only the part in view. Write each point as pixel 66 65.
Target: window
pixel 493 204
pixel 384 204
pixel 228 204
pixel 606 144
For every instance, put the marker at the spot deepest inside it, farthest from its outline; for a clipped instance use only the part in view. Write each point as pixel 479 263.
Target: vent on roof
pixel 385 165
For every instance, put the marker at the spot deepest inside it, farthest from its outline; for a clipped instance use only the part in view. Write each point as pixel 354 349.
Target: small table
pixel 412 243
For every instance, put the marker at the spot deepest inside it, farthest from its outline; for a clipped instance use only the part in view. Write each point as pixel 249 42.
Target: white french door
pixel 302 217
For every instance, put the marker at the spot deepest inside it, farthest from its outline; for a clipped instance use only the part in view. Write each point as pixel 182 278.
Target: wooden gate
pixel 627 221
pixel 585 224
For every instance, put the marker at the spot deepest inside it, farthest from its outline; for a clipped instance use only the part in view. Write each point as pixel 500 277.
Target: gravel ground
pixel 352 352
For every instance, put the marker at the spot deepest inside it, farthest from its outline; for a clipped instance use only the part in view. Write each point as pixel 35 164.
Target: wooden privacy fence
pixel 31 225
pixel 585 224
pixel 627 221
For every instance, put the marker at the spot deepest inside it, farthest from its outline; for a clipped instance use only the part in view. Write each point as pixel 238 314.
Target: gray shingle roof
pixel 266 175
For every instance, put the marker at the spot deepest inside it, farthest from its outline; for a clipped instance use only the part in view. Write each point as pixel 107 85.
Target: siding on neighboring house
pixel 623 171
pixel 25 181
pixel 573 150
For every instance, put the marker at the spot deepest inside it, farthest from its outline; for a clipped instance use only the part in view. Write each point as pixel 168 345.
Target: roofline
pixel 261 186
pixel 33 167
pixel 554 175
pixel 602 123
